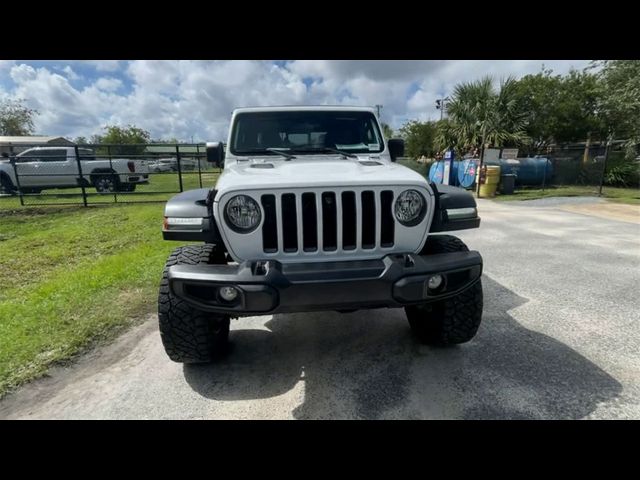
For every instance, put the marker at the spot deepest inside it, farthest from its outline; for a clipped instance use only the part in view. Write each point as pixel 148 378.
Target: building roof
pixel 32 139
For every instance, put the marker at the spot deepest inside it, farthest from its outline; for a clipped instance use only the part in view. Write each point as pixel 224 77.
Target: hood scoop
pixel 369 163
pixel 262 165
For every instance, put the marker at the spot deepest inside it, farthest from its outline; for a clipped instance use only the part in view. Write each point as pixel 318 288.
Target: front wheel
pixel 6 185
pixel 190 335
pixel 453 320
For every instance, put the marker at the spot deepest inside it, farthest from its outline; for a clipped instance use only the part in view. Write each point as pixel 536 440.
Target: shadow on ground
pixel 367 365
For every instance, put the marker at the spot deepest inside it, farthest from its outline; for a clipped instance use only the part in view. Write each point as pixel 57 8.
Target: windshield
pixel 305 132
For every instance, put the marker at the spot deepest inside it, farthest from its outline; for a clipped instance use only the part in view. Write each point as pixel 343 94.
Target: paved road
pixel 559 339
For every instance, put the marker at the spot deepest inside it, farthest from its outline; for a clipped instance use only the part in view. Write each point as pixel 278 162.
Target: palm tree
pixel 478 115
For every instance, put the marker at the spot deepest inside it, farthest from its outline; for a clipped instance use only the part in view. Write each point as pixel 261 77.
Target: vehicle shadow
pixel 368 365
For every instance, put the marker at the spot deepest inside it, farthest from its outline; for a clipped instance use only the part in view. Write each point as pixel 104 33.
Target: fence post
pixel 15 171
pixel 604 165
pixel 179 167
pixel 199 168
pixel 82 187
pixel 115 195
pixel 544 175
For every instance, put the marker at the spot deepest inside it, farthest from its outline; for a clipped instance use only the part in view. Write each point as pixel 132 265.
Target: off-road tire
pixel 453 320
pixel 190 335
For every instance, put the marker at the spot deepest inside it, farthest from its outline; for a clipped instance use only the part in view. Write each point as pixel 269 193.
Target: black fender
pixel 455 209
pixel 196 203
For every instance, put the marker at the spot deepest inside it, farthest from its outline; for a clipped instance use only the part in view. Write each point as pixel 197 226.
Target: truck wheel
pixel 453 320
pixel 6 185
pixel 127 187
pixel 105 183
pixel 190 335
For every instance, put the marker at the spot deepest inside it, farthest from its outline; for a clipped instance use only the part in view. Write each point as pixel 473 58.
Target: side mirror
pixel 396 148
pixel 215 153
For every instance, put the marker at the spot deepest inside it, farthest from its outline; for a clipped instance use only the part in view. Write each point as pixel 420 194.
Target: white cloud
pixel 184 98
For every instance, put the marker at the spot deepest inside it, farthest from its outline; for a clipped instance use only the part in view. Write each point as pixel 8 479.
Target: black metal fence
pixel 100 174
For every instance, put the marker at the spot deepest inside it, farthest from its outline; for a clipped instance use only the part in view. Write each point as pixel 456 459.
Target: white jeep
pixel 311 212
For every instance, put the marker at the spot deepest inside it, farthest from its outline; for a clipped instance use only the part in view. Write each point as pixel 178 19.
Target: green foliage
pixel 623 175
pixel 419 138
pixel 619 100
pixel 387 131
pixel 559 108
pixel 478 111
pixel 80 140
pixel 129 140
pixel 16 119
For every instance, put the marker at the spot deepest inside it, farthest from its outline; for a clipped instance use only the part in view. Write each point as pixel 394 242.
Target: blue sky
pixel 182 99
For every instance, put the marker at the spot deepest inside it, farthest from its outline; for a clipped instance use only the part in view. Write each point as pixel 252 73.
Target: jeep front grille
pixel 347 220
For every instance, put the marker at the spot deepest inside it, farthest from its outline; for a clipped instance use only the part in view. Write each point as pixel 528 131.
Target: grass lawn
pixel 71 277
pixel 614 194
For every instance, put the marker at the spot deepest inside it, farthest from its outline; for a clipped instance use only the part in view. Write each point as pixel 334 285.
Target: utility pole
pixel 604 163
pixel 378 107
pixel 441 104
pixel 481 162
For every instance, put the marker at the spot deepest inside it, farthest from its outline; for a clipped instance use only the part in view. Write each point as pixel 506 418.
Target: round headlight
pixel 242 214
pixel 410 208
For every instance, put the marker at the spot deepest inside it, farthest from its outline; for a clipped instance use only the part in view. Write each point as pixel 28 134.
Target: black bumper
pixel 273 287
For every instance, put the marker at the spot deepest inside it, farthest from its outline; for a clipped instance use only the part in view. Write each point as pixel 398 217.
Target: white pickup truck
pixel 41 168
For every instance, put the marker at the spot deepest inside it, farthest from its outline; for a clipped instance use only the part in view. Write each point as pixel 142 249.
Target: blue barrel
pixel 528 171
pixel 467 172
pixel 436 172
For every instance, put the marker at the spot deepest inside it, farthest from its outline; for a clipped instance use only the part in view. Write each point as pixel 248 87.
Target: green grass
pixel 614 194
pixel 71 277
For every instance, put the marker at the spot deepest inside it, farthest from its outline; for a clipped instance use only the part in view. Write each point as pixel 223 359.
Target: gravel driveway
pixel 559 339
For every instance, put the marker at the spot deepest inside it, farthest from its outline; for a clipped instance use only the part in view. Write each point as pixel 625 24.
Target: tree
pixel 558 108
pixel 387 131
pixel 16 119
pixel 120 137
pixel 619 101
pixel 477 112
pixel 419 138
pixel 80 140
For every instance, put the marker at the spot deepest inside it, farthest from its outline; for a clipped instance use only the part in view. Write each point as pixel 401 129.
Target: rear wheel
pixel 6 185
pixel 106 183
pixel 453 320
pixel 190 335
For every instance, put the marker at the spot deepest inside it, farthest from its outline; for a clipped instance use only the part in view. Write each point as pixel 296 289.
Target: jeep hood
pixel 315 172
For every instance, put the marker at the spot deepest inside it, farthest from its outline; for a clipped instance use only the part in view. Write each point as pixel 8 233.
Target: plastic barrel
pixel 491 180
pixel 467 173
pixel 436 172
pixel 507 184
pixel 528 171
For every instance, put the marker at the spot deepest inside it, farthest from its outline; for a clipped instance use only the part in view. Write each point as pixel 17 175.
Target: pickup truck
pixel 41 168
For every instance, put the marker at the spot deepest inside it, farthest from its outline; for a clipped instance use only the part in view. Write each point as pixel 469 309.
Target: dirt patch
pixel 611 211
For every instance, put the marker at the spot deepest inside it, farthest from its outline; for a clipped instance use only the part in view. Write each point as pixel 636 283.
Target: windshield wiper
pixel 277 151
pixel 326 149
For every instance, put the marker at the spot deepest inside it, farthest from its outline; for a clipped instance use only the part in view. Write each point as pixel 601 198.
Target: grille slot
pixel 329 222
pixel 386 219
pixel 368 220
pixel 289 223
pixel 309 222
pixel 270 226
pixel 349 221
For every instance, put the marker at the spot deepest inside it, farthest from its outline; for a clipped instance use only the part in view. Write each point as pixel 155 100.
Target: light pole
pixel 481 161
pixel 441 104
pixel 378 108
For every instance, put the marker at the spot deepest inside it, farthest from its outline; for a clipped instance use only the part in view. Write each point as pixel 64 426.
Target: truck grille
pixel 326 221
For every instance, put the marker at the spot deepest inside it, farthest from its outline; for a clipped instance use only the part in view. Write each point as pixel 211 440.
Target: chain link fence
pixel 101 174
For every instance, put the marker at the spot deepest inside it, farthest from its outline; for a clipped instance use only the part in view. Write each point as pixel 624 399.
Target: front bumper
pixel 272 287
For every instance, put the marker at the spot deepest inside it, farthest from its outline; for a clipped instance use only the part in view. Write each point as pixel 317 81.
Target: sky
pixel 193 99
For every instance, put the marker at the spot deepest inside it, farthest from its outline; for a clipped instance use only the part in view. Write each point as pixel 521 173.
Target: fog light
pixel 228 294
pixel 434 282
